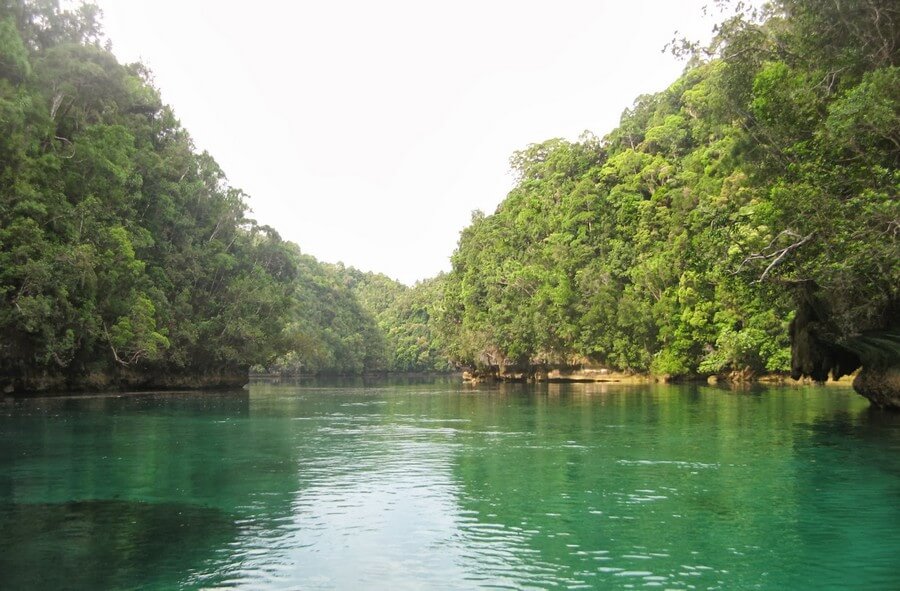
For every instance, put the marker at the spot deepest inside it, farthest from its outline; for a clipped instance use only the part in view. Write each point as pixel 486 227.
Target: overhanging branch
pixel 774 254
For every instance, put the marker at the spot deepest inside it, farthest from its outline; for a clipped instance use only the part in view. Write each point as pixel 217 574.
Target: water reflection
pixel 137 491
pixel 844 470
pixel 108 544
pixel 379 500
pixel 434 485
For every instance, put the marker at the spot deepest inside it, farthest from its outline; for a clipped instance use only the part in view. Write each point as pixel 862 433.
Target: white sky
pixel 368 131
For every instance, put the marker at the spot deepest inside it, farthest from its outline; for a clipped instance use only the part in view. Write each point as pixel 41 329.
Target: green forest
pixel 761 187
pixel 681 242
pixel 126 254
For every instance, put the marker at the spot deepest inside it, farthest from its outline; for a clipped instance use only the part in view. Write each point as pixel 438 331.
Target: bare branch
pixel 777 255
pixel 136 356
pixel 56 103
pixel 783 253
pixel 69 143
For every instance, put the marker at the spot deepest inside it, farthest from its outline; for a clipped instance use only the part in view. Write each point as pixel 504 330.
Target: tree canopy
pixel 677 244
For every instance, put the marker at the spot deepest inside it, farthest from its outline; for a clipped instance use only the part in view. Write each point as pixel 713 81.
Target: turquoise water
pixel 441 486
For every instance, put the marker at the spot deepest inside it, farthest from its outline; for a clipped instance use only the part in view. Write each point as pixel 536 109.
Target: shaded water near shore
pixel 441 486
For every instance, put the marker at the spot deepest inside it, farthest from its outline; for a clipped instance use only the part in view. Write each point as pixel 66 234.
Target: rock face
pixel 818 350
pixel 881 385
pixel 814 353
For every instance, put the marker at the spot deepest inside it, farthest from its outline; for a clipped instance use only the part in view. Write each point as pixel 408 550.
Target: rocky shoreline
pixel 553 375
pixel 574 375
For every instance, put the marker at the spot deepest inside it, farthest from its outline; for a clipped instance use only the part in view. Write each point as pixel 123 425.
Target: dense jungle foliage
pixel 119 245
pixel 680 243
pixel 122 247
pixel 345 321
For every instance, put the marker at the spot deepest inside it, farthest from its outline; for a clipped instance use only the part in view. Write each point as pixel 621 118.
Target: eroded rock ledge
pixel 881 385
pixel 820 350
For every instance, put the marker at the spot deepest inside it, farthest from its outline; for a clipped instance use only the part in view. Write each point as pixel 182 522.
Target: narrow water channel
pixel 442 486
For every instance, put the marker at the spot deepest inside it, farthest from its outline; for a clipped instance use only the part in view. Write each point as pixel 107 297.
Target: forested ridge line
pixel 765 178
pixel 126 257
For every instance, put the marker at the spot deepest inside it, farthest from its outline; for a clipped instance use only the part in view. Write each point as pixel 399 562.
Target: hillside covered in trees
pixel 347 322
pixel 126 258
pixel 762 182
pixel 765 178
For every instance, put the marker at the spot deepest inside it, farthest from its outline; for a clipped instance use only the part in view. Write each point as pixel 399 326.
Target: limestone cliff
pixel 819 349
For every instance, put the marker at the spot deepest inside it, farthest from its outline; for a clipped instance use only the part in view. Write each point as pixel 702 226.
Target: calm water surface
pixel 440 486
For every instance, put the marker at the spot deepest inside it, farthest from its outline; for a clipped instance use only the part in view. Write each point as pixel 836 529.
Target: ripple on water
pixel 676 463
pixel 452 492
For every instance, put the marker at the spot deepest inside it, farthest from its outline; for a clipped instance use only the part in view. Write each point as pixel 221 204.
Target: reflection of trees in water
pixel 543 483
pixel 147 490
pixel 848 469
pixel 109 544
pixel 374 380
pixel 870 425
pixel 642 479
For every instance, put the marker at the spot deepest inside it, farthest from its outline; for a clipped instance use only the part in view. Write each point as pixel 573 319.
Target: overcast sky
pixel 368 131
